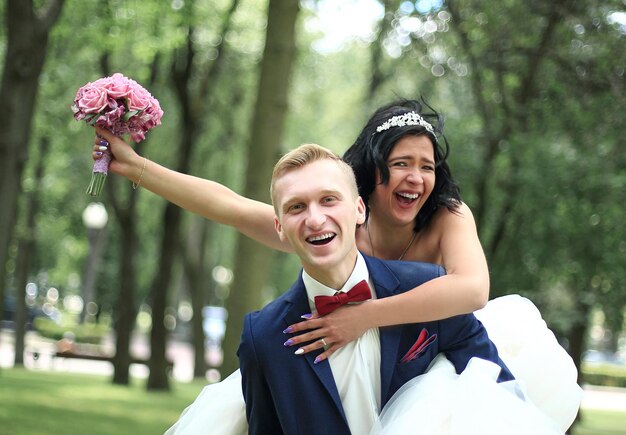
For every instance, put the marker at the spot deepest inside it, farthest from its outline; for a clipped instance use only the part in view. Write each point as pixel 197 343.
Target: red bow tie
pixel 327 304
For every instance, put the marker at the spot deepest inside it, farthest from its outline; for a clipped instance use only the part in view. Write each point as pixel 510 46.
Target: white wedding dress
pixel 440 401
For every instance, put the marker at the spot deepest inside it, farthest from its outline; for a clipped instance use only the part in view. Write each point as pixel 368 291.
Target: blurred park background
pixel 534 97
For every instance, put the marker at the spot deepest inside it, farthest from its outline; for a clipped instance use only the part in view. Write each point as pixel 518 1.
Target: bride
pixel 415 213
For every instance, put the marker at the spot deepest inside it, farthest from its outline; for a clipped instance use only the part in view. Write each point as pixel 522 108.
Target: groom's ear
pixel 279 229
pixel 361 211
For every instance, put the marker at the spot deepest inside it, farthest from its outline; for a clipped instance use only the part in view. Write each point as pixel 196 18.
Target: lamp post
pixel 95 218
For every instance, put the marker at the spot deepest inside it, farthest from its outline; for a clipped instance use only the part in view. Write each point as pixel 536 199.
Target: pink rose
pixel 102 84
pixel 151 117
pixel 118 86
pixel 139 99
pixel 137 136
pixel 92 100
pixel 80 92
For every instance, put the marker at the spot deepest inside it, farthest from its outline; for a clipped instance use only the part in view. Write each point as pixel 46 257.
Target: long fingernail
pixel 98 153
pixel 306 316
pixel 299 351
pixel 102 148
pixel 103 142
pixel 288 330
pixel 288 342
pixel 317 359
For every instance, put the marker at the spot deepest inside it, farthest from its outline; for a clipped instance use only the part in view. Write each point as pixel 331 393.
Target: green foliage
pixel 561 228
pixel 608 375
pixel 91 333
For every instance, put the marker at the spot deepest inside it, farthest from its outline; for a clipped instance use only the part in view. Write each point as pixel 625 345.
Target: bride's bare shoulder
pixel 461 212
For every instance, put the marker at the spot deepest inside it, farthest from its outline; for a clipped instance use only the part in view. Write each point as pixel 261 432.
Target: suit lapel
pixel 386 284
pixel 299 306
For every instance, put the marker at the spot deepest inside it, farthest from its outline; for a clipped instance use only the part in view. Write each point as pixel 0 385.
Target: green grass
pixel 598 422
pixel 50 403
pixel 36 402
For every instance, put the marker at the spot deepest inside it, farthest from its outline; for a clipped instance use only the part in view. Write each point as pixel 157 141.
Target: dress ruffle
pixel 219 409
pixel 534 356
pixel 472 403
pixel 440 402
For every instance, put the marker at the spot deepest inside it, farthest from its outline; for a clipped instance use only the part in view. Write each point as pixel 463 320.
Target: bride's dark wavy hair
pixel 371 150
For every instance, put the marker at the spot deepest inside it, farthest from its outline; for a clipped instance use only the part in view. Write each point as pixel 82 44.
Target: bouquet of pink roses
pixel 122 106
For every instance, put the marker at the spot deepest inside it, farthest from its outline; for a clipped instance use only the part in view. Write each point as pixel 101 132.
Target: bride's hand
pixel 338 328
pixel 124 157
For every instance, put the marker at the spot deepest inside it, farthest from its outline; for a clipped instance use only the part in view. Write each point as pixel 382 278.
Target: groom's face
pixel 317 213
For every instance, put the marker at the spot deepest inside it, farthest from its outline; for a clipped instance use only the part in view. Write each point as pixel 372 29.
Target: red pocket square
pixel 422 342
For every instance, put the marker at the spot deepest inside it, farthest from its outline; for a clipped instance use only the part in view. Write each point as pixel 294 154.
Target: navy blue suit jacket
pixel 289 394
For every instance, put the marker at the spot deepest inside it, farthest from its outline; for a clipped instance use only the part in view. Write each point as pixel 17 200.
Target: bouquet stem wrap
pixel 99 173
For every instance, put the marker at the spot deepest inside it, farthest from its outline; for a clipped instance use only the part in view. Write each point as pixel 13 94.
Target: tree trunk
pixel 576 339
pixel 27 44
pixel 377 75
pixel 97 240
pixel 193 103
pixel 198 298
pixel 125 306
pixel 197 264
pixel 197 282
pixel 158 380
pixel 252 261
pixel 172 214
pixel 125 214
pixel 26 247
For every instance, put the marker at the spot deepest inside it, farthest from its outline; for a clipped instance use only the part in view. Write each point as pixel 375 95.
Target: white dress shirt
pixel 356 366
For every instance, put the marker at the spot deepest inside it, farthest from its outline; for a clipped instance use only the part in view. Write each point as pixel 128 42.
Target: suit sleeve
pixel 260 410
pixel 464 337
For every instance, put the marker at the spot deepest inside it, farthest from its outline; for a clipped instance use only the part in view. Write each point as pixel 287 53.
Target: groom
pixel 317 210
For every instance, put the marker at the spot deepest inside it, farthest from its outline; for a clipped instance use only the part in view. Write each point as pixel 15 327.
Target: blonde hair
pixel 304 155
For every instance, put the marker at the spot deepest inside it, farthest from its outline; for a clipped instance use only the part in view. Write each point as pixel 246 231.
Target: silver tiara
pixel 409 118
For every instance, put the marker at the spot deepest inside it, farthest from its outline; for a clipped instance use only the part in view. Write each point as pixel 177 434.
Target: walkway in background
pixel 39 356
pixel 609 398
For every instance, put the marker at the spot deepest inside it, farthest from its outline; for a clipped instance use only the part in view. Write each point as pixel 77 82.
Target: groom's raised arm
pixel 260 410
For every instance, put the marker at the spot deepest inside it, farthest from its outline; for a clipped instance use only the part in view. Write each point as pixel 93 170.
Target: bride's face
pixel 411 166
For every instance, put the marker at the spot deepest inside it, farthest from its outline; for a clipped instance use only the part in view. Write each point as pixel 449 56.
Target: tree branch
pixel 490 137
pixel 528 87
pixel 49 14
pixel 476 79
pixel 378 76
pixel 209 79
